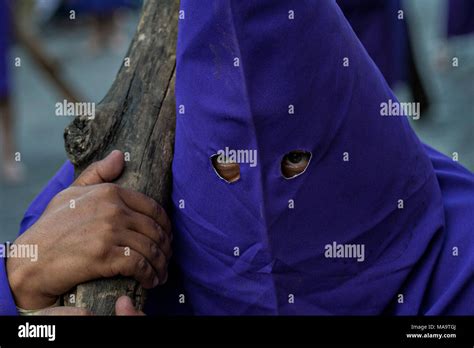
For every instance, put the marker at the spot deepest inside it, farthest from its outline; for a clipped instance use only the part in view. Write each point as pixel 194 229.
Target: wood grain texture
pixel 137 116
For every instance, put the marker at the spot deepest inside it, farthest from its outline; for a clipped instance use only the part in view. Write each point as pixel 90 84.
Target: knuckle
pixel 166 247
pixel 102 248
pixel 156 208
pixel 91 168
pixel 108 230
pixel 155 252
pixel 125 269
pixel 112 269
pixel 141 264
pixel 158 233
pixel 113 212
pixel 162 237
pixel 108 190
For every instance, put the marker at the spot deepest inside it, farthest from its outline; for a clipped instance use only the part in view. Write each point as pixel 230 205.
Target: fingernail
pixel 156 281
pixel 114 152
pixel 154 250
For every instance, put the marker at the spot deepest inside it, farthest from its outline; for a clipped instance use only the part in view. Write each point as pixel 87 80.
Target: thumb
pixel 64 311
pixel 124 306
pixel 102 171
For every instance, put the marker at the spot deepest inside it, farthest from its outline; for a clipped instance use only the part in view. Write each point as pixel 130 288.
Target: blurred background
pixel 51 50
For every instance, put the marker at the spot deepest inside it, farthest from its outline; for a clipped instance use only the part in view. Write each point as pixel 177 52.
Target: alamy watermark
pixel 237 156
pixel 345 251
pixel 24 251
pixel 396 108
pixel 28 330
pixel 70 109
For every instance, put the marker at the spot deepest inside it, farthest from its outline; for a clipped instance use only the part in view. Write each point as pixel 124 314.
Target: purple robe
pixel 260 245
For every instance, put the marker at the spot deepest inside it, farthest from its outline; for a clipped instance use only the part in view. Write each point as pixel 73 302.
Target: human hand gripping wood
pixel 137 116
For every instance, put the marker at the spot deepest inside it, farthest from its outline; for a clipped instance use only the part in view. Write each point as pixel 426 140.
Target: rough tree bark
pixel 137 116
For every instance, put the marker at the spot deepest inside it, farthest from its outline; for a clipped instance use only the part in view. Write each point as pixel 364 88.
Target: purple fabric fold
pixel 383 34
pixel 241 66
pixel 7 303
pixel 259 245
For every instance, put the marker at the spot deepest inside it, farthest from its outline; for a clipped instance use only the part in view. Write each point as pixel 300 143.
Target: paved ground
pixel 40 132
pixel 450 127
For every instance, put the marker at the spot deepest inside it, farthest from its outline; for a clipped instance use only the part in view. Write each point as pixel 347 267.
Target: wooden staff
pixel 137 116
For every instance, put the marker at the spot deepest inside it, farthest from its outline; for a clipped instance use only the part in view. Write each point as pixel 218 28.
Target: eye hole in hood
pixel 226 170
pixel 294 163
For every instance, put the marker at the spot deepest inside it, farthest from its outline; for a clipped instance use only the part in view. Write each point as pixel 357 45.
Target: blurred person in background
pixel 105 20
pixel 460 17
pixel 11 169
pixel 459 26
pixel 383 35
pixel 381 27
